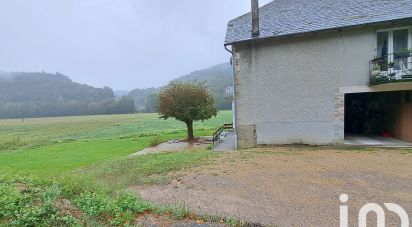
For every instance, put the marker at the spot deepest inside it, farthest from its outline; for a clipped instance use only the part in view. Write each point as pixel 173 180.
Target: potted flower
pixel 403 53
pixel 376 70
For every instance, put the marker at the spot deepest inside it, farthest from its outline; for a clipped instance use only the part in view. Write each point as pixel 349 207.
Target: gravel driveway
pixel 292 186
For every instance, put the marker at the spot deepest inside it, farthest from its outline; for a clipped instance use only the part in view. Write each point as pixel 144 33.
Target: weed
pixel 155 141
pixel 12 144
pixel 177 212
pixel 120 210
pixel 25 203
pixel 407 151
pixel 93 204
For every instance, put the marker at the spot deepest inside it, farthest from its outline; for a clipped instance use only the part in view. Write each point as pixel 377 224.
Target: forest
pixel 216 78
pixel 27 95
pixel 41 94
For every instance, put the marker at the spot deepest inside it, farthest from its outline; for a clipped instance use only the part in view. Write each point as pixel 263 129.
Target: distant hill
pixel 46 95
pixel 144 99
pixel 120 93
pixel 217 78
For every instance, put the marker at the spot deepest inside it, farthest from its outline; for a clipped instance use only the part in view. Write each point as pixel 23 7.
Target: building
pixel 315 72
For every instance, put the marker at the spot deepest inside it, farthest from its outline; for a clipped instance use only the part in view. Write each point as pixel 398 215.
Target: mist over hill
pixel 217 78
pixel 42 94
pixel 48 95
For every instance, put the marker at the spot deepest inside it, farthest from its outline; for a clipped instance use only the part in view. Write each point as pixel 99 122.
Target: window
pixel 393 46
pixel 400 43
pixel 382 48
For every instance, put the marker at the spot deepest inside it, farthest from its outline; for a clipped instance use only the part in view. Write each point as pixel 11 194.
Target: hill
pixel 217 78
pixel 144 99
pixel 48 95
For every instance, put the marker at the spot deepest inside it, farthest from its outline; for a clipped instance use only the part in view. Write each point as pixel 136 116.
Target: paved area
pixel 227 142
pixel 359 140
pixel 292 186
pixel 175 146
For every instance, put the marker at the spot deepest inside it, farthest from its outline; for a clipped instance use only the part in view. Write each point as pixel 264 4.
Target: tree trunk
pixel 190 136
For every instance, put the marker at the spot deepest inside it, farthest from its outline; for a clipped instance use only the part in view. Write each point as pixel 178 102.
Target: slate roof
pixel 290 17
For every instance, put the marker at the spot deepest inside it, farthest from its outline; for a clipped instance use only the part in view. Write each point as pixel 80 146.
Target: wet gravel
pixel 292 186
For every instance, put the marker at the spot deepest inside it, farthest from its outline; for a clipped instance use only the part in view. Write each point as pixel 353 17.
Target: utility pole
pixel 255 18
pixel 22 114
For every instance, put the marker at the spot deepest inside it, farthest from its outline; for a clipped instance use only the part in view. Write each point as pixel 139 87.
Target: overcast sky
pixel 123 44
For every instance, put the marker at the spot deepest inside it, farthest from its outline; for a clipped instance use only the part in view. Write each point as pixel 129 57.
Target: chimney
pixel 255 17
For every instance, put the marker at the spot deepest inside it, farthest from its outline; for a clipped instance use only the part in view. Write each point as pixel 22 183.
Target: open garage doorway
pixel 379 118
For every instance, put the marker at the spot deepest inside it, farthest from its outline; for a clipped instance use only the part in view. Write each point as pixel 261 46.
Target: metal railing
pixel 218 132
pixel 391 68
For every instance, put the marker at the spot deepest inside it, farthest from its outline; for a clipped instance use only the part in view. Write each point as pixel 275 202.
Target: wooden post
pixel 255 17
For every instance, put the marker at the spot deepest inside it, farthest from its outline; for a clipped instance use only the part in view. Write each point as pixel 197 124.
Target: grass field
pixel 37 146
pixel 84 155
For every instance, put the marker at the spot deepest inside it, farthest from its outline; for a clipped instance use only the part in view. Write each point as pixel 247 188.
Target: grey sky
pixel 123 44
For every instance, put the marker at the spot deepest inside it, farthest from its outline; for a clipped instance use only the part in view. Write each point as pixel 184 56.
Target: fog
pixel 123 44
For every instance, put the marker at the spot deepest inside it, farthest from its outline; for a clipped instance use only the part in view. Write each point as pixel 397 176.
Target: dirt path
pixel 292 186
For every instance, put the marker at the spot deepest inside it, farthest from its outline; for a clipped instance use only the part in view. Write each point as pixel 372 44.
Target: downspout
pixel 231 53
pixel 234 93
pixel 227 49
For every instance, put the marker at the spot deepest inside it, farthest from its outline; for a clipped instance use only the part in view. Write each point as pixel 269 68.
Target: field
pixel 85 160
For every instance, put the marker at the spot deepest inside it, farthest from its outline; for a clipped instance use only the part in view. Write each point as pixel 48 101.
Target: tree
pixel 49 95
pixel 186 102
pixel 151 103
pixel 126 105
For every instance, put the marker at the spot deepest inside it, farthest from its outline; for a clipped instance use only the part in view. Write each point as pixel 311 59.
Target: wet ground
pixel 292 186
pixel 177 145
pixel 226 142
pixel 360 140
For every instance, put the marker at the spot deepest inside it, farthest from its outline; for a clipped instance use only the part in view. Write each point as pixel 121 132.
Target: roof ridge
pixel 289 17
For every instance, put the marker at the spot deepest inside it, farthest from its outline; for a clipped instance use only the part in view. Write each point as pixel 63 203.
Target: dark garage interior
pixel 385 114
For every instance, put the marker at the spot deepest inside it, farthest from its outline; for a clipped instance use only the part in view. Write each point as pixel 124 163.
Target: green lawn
pixel 48 147
pixel 86 160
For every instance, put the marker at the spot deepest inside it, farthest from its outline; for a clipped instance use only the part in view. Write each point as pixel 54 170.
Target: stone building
pixel 320 71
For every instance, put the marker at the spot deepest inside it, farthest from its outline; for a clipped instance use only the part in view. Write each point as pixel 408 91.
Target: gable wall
pixel 288 91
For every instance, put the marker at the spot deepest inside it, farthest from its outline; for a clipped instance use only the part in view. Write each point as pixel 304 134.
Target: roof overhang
pixel 375 25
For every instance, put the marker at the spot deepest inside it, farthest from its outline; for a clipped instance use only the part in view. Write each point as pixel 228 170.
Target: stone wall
pixel 288 91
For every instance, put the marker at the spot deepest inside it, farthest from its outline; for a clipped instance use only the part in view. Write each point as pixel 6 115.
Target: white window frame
pixel 390 41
